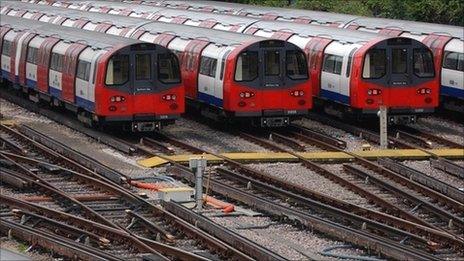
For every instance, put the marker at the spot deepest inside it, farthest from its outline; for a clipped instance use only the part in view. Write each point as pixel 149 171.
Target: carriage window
pixel 423 63
pixel 247 66
pixel 168 68
pixel 451 60
pixel 83 70
pixel 296 65
pixel 57 62
pixel 350 61
pixel 32 55
pixel 142 66
pixel 208 66
pixel 461 62
pixel 333 64
pixel 118 70
pixel 272 63
pixel 6 48
pixel 375 64
pixel 399 60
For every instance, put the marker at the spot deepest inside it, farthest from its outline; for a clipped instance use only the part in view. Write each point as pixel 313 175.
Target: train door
pixel 399 54
pixel 143 67
pixel 271 66
pixel 219 82
pixel 333 84
pixel 207 75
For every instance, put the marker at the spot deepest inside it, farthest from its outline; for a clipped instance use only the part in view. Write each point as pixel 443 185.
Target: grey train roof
pixel 217 36
pixel 326 17
pixel 93 39
pixel 184 31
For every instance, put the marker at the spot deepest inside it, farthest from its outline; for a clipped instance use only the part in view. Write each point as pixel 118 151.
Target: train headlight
pixel 424 91
pixel 169 97
pixel 374 92
pixel 247 94
pixel 297 93
pixel 117 98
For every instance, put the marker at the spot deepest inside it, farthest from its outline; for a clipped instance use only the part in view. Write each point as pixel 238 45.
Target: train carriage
pixel 227 75
pixel 354 72
pixel 446 41
pixel 105 80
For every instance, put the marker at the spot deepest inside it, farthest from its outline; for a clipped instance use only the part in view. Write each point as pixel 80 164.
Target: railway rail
pixel 239 196
pixel 112 205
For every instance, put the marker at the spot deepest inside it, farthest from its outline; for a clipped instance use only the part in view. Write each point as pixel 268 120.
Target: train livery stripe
pixel 335 96
pixel 452 91
pixel 210 99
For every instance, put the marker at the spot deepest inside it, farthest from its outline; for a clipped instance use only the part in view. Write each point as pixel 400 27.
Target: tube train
pixel 104 79
pixel 351 72
pixel 237 76
pixel 446 41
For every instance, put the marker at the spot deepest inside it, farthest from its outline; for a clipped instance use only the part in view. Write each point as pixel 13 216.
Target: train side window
pixel 83 70
pixel 6 47
pixel 208 66
pixel 246 68
pixel 350 61
pixel 168 68
pixel 451 60
pixel 32 55
pixel 375 64
pixel 57 62
pixel 296 65
pixel 423 63
pixel 117 72
pixel 461 62
pixel 332 64
pixel 142 66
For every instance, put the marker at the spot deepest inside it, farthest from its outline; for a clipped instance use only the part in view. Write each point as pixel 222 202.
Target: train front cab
pixel 141 85
pixel 397 73
pixel 269 83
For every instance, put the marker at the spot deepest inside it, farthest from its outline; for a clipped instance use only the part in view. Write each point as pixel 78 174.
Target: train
pixel 352 73
pixel 446 41
pixel 227 76
pixel 106 80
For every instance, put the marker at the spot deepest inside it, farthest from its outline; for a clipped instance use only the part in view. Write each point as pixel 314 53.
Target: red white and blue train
pixel 350 71
pixel 446 41
pixel 228 75
pixel 104 79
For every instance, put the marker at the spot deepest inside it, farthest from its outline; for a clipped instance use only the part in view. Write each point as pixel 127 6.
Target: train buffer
pixel 321 156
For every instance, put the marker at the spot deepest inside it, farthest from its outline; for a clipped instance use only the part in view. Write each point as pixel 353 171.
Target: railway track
pixel 237 193
pixel 110 204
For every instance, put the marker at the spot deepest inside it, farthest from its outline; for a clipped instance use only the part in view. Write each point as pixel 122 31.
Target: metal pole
pixel 383 127
pixel 198 165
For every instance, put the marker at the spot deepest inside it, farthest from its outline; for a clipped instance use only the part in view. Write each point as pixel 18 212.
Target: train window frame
pixel 83 73
pixel 178 71
pixel 267 67
pixel 305 64
pixel 432 75
pixel 32 55
pixel 384 64
pixel 447 65
pixel 208 66
pixel 128 71
pixel 146 75
pixel 336 66
pixel 56 62
pixel 257 66
pixel 6 48
pixel 350 62
pixel 395 66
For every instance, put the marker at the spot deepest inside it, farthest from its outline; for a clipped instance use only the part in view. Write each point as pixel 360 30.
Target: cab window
pixel 399 60
pixel 168 68
pixel 296 65
pixel 272 63
pixel 117 72
pixel 143 67
pixel 247 66
pixel 423 63
pixel 375 64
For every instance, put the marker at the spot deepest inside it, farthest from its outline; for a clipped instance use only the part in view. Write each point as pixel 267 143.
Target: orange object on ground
pixel 151 186
pixel 216 203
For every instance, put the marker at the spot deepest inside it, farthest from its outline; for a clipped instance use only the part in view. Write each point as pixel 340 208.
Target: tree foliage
pixel 432 11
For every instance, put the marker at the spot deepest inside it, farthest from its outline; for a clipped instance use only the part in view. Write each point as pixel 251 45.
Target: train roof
pixel 93 39
pixel 337 34
pixel 326 17
pixel 184 31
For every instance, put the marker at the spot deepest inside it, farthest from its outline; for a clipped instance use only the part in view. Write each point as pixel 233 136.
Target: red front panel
pixel 391 97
